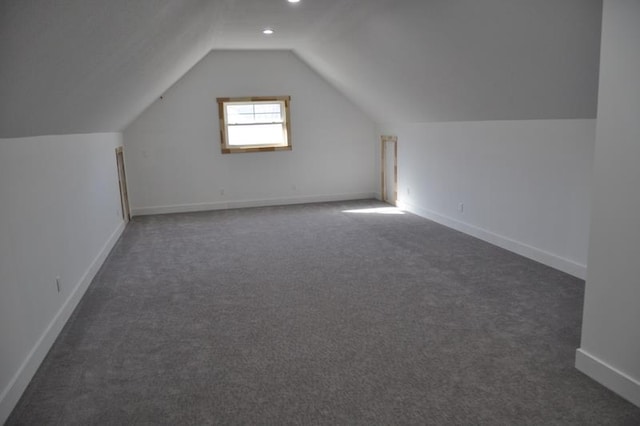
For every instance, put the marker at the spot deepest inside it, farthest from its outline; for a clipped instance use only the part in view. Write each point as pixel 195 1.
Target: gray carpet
pixel 309 315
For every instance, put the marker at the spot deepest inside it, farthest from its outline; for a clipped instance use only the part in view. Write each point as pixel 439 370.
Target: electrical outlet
pixel 58 284
pixel 461 207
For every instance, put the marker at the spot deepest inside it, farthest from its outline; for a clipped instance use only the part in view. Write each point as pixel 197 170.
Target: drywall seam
pixel 565 265
pixel 608 376
pixel 12 393
pixel 224 205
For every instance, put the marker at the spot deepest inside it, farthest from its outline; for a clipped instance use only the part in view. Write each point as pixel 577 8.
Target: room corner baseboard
pixel 237 204
pixel 565 265
pixel 16 387
pixel 608 376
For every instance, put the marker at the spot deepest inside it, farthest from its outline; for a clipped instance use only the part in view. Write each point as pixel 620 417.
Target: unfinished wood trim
pixel 122 185
pixel 224 147
pixel 395 171
pixel 383 163
pixel 287 112
pixel 255 99
pixel 384 139
pixel 257 149
pixel 223 128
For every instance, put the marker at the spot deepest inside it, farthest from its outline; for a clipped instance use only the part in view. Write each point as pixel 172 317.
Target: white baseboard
pixel 14 390
pixel 178 208
pixel 223 205
pixel 608 376
pixel 544 257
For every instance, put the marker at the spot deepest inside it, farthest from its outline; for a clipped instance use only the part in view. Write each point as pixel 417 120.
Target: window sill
pixel 256 149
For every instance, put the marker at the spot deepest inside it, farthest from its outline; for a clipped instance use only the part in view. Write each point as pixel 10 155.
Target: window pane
pixel 240 119
pixel 254 113
pixel 267 108
pixel 235 109
pixel 268 118
pixel 261 134
pixel 239 114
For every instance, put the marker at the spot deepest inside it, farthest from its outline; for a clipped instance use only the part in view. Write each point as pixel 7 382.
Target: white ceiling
pixel 83 66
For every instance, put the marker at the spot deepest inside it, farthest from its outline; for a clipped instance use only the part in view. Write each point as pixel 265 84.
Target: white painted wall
pixel 610 347
pixel 59 216
pixel 173 148
pixel 524 184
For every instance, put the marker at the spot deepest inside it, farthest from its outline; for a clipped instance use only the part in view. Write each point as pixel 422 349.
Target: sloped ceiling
pixel 84 66
pixel 468 60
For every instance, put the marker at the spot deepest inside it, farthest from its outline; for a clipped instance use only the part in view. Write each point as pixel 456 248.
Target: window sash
pixel 254 114
pixel 271 134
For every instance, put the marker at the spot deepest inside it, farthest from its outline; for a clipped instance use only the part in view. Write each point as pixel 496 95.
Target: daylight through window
pixel 254 124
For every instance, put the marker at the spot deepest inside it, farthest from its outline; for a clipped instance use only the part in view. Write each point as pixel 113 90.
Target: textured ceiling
pixel 83 66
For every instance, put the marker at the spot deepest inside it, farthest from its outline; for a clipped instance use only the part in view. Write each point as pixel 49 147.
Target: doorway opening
pixel 389 169
pixel 122 181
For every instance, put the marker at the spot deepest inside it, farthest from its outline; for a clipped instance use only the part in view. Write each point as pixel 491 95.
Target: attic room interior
pixel 270 283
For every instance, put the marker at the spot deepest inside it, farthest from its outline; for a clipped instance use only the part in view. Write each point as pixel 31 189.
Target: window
pixel 254 124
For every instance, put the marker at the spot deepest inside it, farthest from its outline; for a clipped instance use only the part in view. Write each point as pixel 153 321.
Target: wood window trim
pixel 226 149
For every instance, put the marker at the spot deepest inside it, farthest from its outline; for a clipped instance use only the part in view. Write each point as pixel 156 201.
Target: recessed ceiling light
pixel 293 1
pixel 267 31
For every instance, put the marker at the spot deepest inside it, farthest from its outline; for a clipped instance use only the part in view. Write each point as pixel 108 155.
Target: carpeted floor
pixel 311 315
